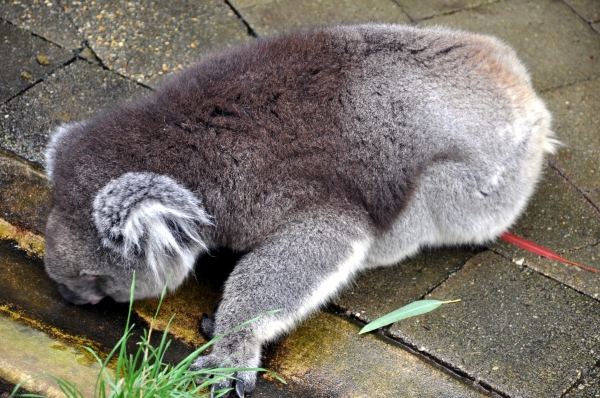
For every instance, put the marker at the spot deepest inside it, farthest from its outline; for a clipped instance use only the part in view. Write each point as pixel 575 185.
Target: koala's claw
pixel 239 389
pixel 243 382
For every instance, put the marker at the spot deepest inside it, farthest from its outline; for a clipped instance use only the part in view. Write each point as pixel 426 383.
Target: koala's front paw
pixel 224 356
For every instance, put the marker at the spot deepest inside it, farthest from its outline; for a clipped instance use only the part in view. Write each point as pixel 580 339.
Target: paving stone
pixel 555 43
pixel 44 18
pixel 382 290
pixel 26 352
pixel 24 195
pixel 418 9
pixel 576 111
pixel 560 219
pixel 588 387
pixel 521 333
pixel 73 93
pixel 18 62
pixel 279 16
pixel 147 40
pixel 328 352
pixel 588 9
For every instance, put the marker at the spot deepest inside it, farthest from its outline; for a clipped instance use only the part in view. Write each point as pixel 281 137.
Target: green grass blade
pixel 413 309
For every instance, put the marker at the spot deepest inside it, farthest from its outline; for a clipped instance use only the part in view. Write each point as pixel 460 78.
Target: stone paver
pixel 588 387
pixel 332 354
pixel 73 93
pixel 382 290
pixel 517 331
pixel 24 196
pixel 27 352
pixel 146 40
pixel 554 42
pixel 576 111
pixel 277 16
pixel 588 9
pixel 418 9
pixel 45 18
pixel 19 53
pixel 559 218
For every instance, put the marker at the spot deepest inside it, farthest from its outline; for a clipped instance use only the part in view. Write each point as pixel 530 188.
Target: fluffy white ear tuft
pixel 151 217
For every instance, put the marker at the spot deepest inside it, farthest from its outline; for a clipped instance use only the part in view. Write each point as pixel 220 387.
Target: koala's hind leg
pixel 295 270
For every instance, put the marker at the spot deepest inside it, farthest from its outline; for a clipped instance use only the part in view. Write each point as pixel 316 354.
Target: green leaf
pixel 412 309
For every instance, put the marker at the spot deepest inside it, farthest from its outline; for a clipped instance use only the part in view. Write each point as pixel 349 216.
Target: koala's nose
pixel 68 294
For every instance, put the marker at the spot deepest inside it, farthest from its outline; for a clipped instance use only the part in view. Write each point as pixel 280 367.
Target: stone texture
pixel 521 333
pixel 147 40
pixel 560 219
pixel 588 387
pixel 280 16
pixel 418 9
pixel 73 93
pixel 555 43
pixel 45 18
pixel 587 9
pixel 328 353
pixel 24 195
pixel 382 290
pixel 576 111
pixel 20 68
pixel 26 352
pixel 596 27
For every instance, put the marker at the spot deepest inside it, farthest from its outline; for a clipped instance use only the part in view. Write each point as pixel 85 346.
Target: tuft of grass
pixel 143 374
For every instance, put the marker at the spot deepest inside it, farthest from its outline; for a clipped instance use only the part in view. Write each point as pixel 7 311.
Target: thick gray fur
pixel 318 154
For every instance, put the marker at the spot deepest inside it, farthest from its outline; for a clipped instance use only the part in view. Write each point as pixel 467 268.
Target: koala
pixel 318 154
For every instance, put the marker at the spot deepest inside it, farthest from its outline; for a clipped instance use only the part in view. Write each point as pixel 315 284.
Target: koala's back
pixel 346 119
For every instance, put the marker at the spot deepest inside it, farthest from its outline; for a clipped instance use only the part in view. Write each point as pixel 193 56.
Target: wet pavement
pixel 526 326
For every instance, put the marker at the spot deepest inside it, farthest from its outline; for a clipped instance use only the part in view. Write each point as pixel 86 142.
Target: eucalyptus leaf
pixel 409 310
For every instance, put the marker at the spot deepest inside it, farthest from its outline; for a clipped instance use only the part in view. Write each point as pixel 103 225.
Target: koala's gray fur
pixel 318 154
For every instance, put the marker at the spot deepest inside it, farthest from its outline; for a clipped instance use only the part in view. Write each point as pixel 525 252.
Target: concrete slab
pixel 145 41
pixel 576 111
pixel 554 42
pixel 72 93
pixel 278 16
pixel 587 9
pixel 328 353
pixel 561 219
pixel 419 10
pixel 44 18
pixel 19 61
pixel 379 291
pixel 520 333
pixel 26 352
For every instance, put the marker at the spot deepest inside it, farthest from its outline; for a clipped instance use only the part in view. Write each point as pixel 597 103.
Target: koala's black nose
pixel 68 294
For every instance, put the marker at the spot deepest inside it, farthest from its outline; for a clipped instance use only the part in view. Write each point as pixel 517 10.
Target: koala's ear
pixel 151 216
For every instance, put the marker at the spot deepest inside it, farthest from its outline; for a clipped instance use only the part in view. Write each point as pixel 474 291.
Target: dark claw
pixel 207 326
pixel 239 389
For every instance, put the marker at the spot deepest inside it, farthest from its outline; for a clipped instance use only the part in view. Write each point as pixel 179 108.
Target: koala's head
pixel 98 234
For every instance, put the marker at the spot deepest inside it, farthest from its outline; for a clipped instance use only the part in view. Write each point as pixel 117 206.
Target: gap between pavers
pixel 515 330
pixel 271 18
